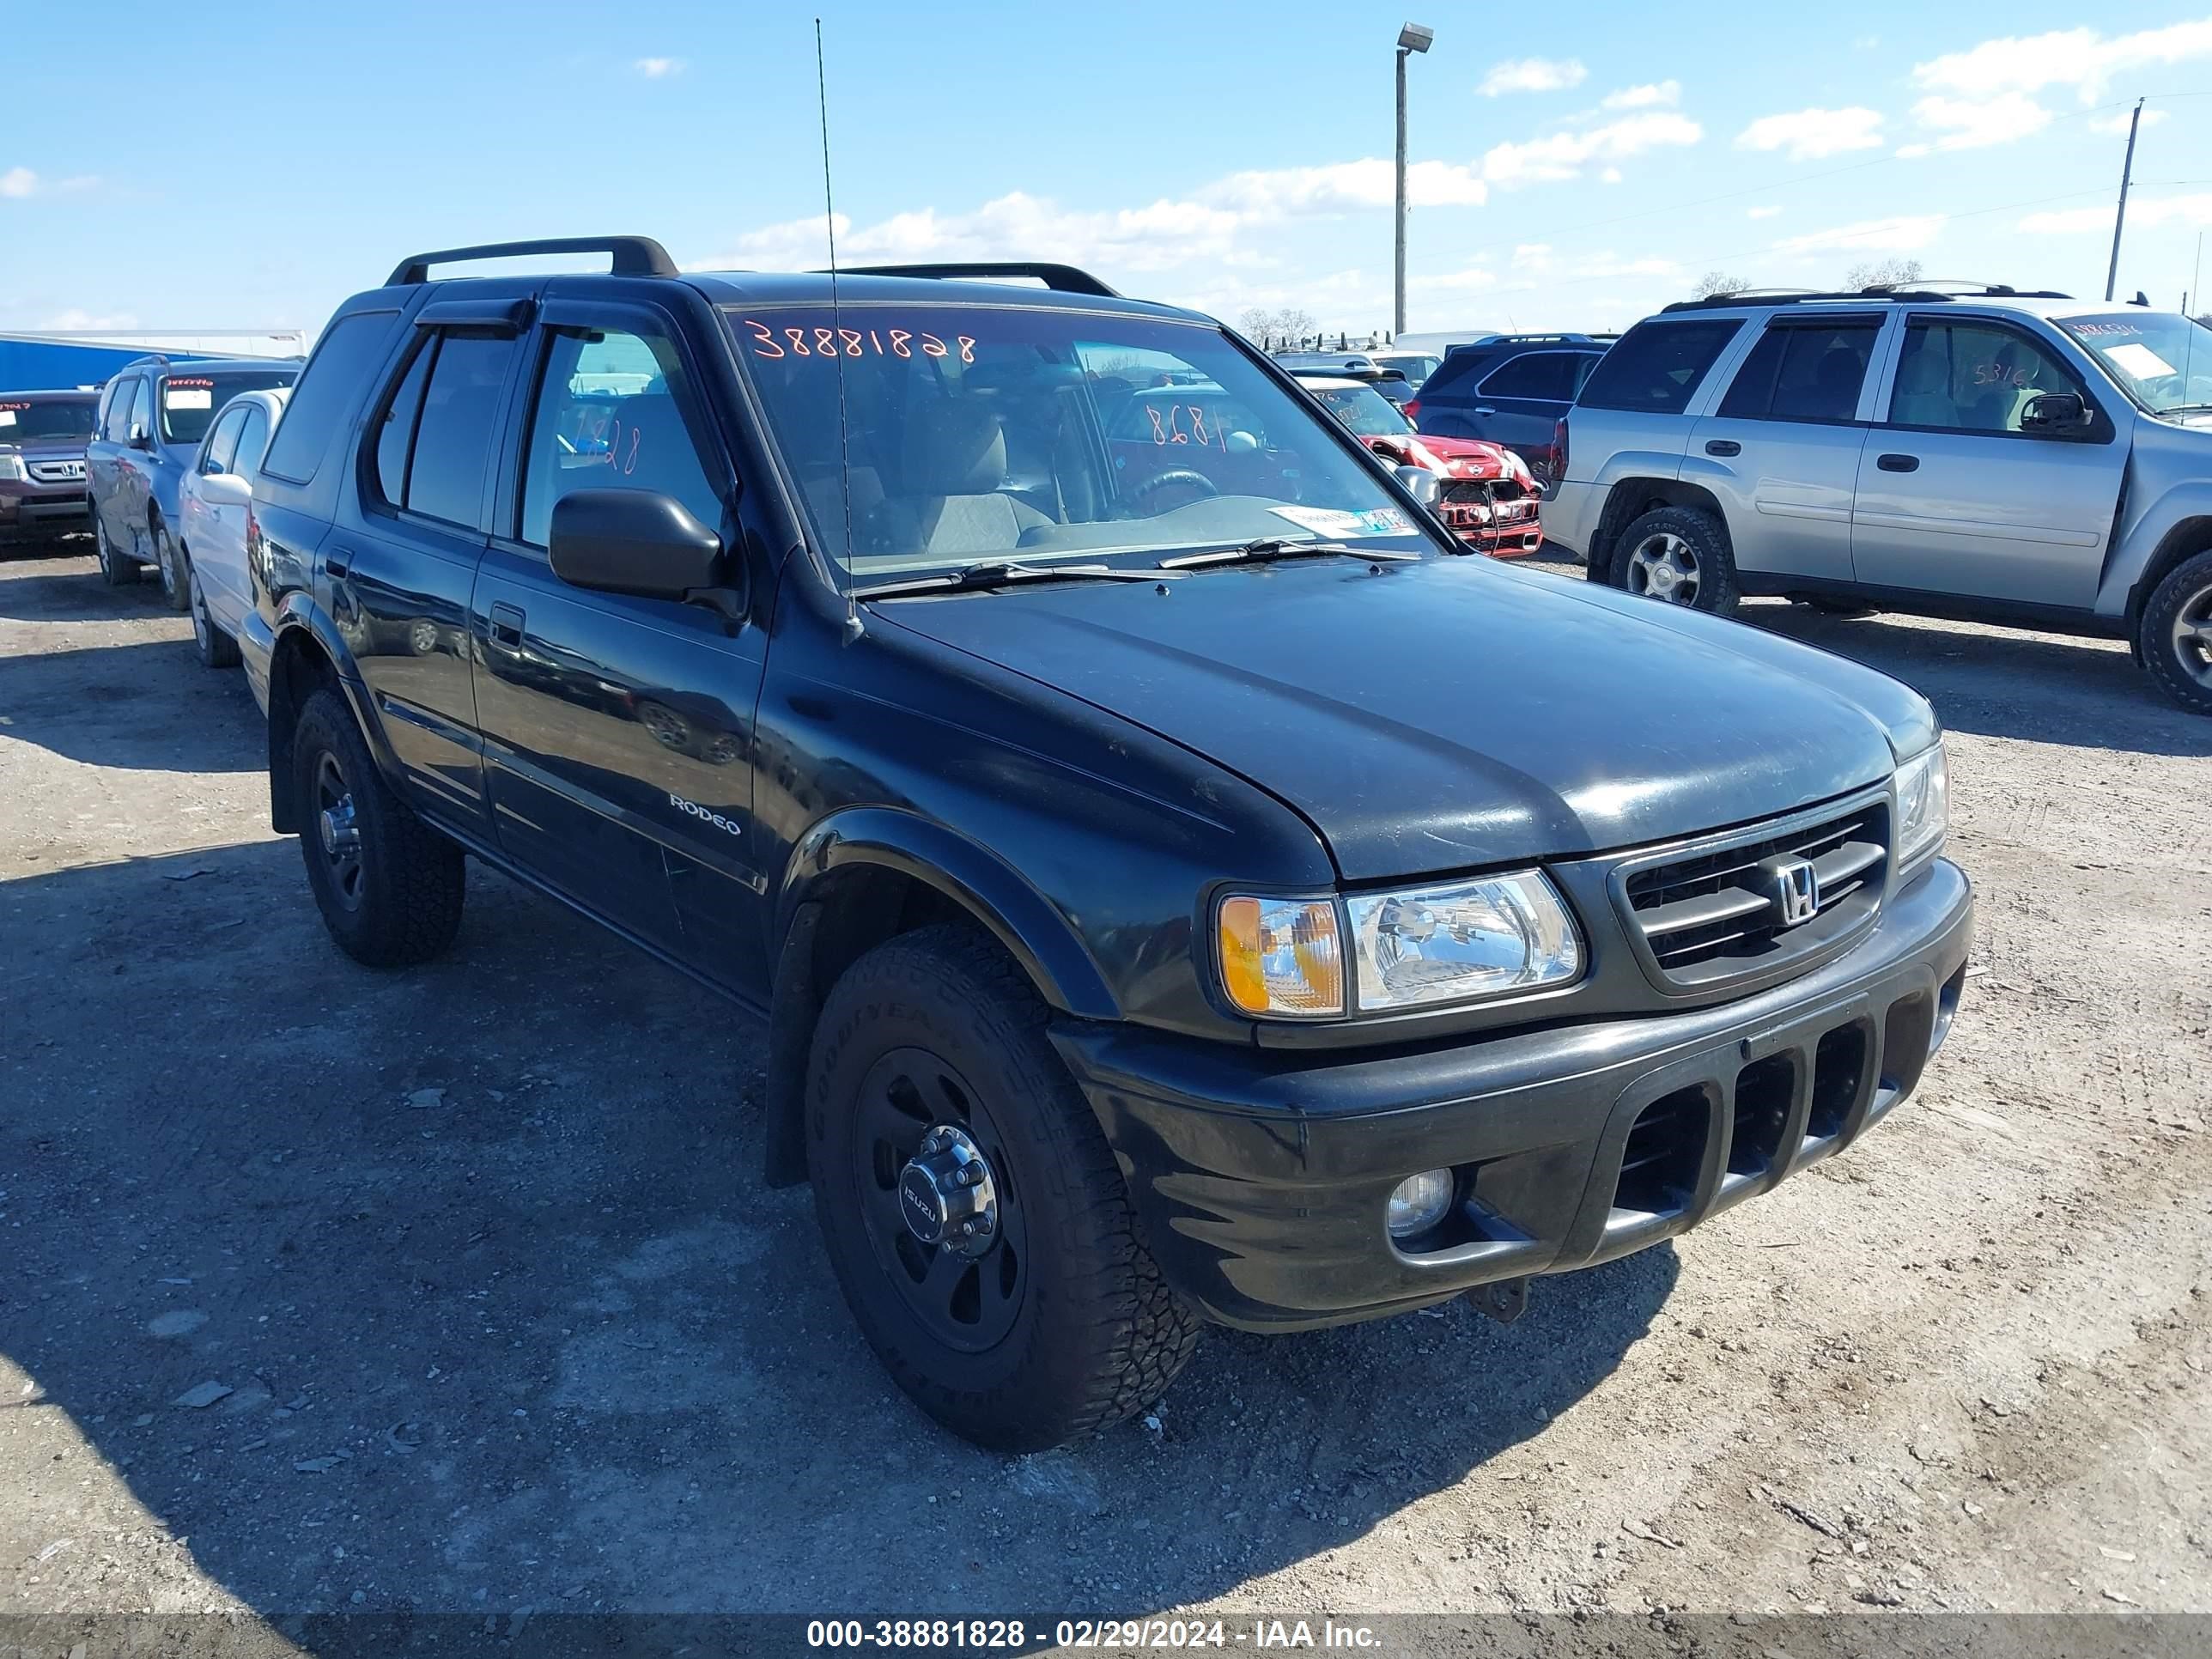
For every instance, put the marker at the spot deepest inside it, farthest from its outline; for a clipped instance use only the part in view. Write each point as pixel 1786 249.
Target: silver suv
pixel 2022 458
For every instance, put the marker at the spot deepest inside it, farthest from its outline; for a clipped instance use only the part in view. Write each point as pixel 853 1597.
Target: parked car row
pixel 1178 888
pixel 2028 459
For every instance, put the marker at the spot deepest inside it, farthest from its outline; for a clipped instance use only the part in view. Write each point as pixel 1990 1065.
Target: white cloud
pixel 1903 234
pixel 1765 211
pixel 18 182
pixel 2081 58
pixel 659 69
pixel 1809 134
pixel 2190 212
pixel 1975 124
pixel 2117 123
pixel 1534 75
pixel 1564 154
pixel 1610 176
pixel 75 319
pixel 1347 185
pixel 1652 95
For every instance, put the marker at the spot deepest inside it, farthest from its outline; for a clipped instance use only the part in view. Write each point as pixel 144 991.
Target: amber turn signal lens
pixel 1282 956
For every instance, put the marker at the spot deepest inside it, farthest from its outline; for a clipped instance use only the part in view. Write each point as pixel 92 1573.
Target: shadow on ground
pixel 2002 682
pixel 43 582
pixel 508 1319
pixel 143 706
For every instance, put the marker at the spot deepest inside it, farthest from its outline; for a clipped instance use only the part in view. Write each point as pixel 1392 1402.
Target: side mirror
pixel 633 541
pixel 1423 485
pixel 224 490
pixel 141 439
pixel 2054 412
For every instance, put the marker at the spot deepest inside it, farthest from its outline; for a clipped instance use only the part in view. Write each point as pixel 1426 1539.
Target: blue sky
pixel 1576 165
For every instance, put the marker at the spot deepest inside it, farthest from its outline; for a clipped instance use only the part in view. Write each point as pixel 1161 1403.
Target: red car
pixel 1490 500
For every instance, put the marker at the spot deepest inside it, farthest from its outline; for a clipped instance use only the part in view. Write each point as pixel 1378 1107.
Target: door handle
pixel 1484 409
pixel 1898 463
pixel 335 566
pixel 1723 446
pixel 506 626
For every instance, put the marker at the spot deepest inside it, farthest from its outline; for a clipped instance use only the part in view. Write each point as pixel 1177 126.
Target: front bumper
pixel 1261 1176
pixel 1511 528
pixel 38 509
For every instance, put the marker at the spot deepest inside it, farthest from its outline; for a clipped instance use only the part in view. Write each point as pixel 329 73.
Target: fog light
pixel 1419 1203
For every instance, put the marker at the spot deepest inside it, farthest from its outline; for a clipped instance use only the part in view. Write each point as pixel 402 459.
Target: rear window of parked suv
pixel 190 402
pixel 348 352
pixel 1657 366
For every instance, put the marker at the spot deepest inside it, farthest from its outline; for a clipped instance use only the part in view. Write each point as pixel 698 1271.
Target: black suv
pixel 1177 885
pixel 1509 389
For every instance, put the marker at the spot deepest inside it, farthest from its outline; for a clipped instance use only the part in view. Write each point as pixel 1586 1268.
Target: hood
pixel 1451 714
pixel 1449 457
pixel 46 449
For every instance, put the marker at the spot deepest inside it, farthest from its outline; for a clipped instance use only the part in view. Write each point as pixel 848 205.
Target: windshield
pixel 976 433
pixel 2160 358
pixel 23 421
pixel 1416 367
pixel 1365 410
pixel 190 403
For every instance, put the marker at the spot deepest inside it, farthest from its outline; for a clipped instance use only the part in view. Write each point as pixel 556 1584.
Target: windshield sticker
pixel 188 397
pixel 877 342
pixel 7 417
pixel 1334 521
pixel 2139 361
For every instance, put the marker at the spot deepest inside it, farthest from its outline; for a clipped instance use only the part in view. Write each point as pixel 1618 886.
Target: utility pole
pixel 1411 39
pixel 2119 219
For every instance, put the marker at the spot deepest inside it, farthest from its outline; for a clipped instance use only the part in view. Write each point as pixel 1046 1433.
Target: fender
pixel 298 612
pixel 1031 928
pixel 2145 548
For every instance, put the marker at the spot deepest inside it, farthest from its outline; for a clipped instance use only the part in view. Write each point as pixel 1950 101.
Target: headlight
pixel 1476 938
pixel 13 471
pixel 1282 956
pixel 1924 805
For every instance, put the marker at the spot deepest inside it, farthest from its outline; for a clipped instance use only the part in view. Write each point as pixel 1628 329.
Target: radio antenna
pixel 853 626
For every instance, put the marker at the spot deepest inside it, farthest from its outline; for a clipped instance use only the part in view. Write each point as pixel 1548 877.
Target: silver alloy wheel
pixel 167 557
pixel 1664 565
pixel 2192 636
pixel 202 635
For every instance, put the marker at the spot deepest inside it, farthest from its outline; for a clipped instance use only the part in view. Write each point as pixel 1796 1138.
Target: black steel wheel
pixel 975 1215
pixel 390 887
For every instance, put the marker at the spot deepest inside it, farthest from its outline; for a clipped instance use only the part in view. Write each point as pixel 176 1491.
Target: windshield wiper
pixel 2182 408
pixel 999 573
pixel 1267 548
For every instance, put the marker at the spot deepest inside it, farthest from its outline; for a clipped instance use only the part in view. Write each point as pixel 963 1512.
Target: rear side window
pixel 142 409
pixel 1544 374
pixel 344 358
pixel 1800 372
pixel 396 431
pixel 222 444
pixel 451 446
pixel 1657 366
pixel 115 425
pixel 1455 368
pixel 252 443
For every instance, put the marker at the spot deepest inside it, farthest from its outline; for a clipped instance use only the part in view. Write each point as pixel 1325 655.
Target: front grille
pixel 1719 914
pixel 57 472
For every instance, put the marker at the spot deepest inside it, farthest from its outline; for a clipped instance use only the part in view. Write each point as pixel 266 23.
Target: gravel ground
pixel 323 1289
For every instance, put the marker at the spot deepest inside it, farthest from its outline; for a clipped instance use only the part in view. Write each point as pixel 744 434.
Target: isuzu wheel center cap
pixel 947 1196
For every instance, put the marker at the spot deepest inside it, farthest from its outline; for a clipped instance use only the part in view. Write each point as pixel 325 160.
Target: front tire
pixel 389 886
pixel 2174 635
pixel 117 568
pixel 1680 556
pixel 169 560
pixel 216 649
pixel 1051 1323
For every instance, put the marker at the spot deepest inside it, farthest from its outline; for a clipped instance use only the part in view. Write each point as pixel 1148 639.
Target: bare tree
pixel 1882 273
pixel 1287 324
pixel 1718 285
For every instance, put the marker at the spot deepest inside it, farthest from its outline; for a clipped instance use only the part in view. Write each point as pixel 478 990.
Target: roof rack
pixel 633 256
pixel 1062 279
pixel 1918 292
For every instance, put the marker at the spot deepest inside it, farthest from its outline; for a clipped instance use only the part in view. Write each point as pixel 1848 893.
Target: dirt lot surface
pixel 322 1289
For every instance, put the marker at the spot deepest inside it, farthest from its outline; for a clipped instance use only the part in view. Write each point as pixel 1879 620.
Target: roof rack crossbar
pixel 1918 293
pixel 632 256
pixel 1062 279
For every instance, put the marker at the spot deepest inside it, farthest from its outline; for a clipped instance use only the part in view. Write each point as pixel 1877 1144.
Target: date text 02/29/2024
pixel 1014 1635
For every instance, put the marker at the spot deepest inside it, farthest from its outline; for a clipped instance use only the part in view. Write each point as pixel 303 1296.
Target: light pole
pixel 1411 39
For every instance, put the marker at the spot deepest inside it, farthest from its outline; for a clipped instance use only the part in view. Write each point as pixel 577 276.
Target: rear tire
pixel 2174 636
pixel 216 649
pixel 1056 1322
pixel 116 570
pixel 1678 556
pixel 389 886
pixel 169 561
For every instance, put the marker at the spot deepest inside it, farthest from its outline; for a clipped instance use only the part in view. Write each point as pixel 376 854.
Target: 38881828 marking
pixel 1007 1634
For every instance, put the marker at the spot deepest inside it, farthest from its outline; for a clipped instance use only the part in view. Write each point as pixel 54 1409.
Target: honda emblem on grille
pixel 1796 887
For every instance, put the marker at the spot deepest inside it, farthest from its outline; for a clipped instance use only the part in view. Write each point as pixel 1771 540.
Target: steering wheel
pixel 1184 475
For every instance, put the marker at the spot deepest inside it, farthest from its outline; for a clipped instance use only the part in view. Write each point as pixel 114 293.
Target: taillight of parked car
pixel 1555 460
